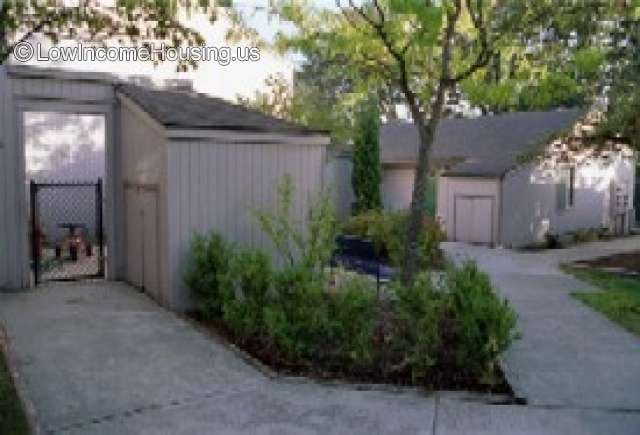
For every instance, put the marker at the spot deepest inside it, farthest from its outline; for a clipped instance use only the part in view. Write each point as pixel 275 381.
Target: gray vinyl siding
pixel 532 207
pixel 220 186
pixel 337 177
pixel 12 249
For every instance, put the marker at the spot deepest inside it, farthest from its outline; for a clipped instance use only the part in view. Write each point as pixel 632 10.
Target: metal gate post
pixel 35 249
pixel 101 259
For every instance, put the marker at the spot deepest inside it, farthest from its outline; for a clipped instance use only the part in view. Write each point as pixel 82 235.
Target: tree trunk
pixel 427 133
pixel 415 226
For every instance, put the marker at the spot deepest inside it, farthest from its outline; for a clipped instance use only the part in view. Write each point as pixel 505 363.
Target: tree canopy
pixel 135 21
pixel 541 51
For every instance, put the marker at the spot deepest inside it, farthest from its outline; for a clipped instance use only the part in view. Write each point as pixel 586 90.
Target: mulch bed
pixel 628 261
pixel 442 378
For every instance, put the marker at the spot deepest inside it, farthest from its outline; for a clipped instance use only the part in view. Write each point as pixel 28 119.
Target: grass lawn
pixel 619 299
pixel 12 418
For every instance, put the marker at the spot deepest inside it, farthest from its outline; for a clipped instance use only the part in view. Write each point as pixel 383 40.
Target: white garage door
pixel 473 219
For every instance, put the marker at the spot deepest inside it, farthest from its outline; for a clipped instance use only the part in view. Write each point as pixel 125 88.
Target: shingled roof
pixel 188 110
pixel 485 146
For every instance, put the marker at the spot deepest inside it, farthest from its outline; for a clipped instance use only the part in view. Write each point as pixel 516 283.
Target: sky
pixel 229 82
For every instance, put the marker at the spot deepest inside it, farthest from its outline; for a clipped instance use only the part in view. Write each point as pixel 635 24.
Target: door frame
pixel 110 198
pixel 491 198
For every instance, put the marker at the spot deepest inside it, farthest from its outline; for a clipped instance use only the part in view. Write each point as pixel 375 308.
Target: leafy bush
pixel 296 320
pixel 458 325
pixel 584 235
pixel 387 231
pixel 308 323
pixel 299 316
pixel 485 324
pixel 302 244
pixel 352 313
pixel 207 269
pixel 418 312
pixel 246 290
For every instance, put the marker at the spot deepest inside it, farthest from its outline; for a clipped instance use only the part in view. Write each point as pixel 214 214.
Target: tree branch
pixel 399 56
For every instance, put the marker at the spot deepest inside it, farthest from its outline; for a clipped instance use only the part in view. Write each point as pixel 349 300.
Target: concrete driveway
pixel 100 358
pixel 569 355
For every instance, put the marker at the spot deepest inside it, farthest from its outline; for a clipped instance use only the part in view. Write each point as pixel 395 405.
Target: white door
pixel 474 219
pixel 134 239
pixel 142 240
pixel 150 281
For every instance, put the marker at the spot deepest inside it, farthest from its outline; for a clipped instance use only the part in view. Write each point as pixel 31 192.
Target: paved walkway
pixel 569 355
pixel 103 359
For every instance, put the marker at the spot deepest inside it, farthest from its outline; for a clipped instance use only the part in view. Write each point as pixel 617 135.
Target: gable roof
pixel 485 146
pixel 187 110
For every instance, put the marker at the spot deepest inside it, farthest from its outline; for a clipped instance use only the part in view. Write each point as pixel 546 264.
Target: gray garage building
pixel 177 163
pixel 514 179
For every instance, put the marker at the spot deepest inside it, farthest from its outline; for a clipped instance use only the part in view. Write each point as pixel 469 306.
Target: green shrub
pixel 207 269
pixel 301 244
pixel 418 312
pixel 296 322
pixel 387 231
pixel 584 235
pixel 352 313
pixel 485 324
pixel 300 316
pixel 308 323
pixel 247 287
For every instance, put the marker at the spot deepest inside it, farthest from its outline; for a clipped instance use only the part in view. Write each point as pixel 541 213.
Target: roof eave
pixel 223 135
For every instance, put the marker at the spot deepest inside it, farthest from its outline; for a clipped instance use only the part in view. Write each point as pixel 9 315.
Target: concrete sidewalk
pixel 569 355
pixel 103 359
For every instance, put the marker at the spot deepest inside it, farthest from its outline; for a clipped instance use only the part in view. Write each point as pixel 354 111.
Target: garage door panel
pixel 482 217
pixel 474 219
pixel 464 219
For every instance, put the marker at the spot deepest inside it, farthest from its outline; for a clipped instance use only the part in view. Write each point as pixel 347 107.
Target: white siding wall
pixel 11 242
pixel 337 177
pixel 214 186
pixel 397 187
pixel 143 161
pixel 531 202
pixel 450 187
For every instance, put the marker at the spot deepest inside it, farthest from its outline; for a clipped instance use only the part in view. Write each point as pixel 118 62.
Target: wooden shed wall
pixel 219 186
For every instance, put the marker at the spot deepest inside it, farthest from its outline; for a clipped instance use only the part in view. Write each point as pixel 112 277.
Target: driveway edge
pixel 27 404
pixel 272 374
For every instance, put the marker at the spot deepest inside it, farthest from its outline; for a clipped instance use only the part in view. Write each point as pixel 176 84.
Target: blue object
pixel 354 253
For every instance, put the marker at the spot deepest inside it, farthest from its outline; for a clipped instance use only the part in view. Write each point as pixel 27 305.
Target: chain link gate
pixel 67 238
